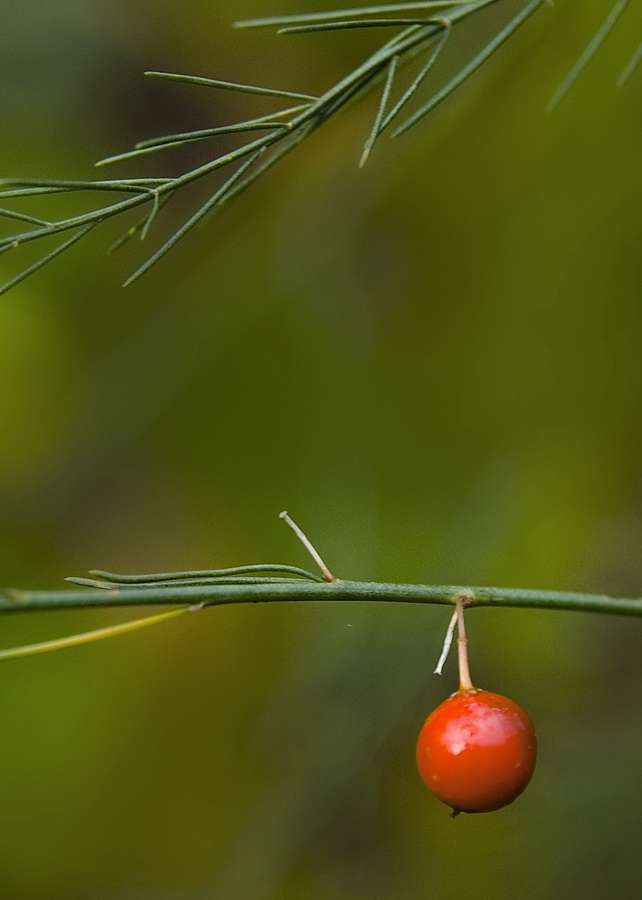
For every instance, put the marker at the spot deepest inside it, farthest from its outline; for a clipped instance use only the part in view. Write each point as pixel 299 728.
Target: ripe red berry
pixel 476 752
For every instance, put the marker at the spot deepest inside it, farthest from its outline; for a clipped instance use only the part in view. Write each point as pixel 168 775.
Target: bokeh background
pixel 433 363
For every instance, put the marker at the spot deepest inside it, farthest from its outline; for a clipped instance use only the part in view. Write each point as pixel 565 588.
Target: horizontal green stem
pixel 13 600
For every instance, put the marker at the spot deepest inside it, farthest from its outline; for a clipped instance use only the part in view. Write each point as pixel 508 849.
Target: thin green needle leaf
pixel 590 51
pixel 153 145
pixel 399 105
pixel 472 66
pixel 130 154
pixel 631 66
pixel 285 112
pixel 213 201
pixel 139 227
pixel 275 21
pixel 97 635
pixel 41 186
pixel 349 23
pixel 23 217
pixel 44 260
pixel 92 582
pixel 385 96
pixel 263 123
pixel 121 157
pixel 257 146
pixel 189 136
pixel 186 582
pixel 152 215
pixel 88 219
pixel 255 568
pixel 402 35
pixel 407 43
pixel 289 144
pixel 230 85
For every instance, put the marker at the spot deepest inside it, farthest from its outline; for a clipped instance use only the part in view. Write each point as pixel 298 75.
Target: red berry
pixel 476 752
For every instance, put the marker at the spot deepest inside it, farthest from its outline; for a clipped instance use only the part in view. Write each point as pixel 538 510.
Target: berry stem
pixel 465 683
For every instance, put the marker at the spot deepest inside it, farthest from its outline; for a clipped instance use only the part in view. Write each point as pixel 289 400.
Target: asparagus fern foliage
pixel 420 31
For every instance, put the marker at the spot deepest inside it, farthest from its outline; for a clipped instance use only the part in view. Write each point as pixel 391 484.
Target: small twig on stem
pixel 327 574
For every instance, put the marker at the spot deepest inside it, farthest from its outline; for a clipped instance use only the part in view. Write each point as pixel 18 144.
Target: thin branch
pixel 300 590
pixel 286 128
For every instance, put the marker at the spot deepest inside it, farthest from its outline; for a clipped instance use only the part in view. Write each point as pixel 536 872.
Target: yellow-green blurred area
pixel 433 363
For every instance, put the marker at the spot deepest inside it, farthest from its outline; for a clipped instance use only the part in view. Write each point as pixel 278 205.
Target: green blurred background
pixel 433 363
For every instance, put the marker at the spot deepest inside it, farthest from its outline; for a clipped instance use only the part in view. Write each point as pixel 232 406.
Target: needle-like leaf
pixel 588 54
pixel 356 12
pixel 630 67
pixel 472 66
pixel 97 634
pixel 213 201
pixel 230 85
pixel 263 123
pixel 141 227
pixel 424 28
pixel 196 574
pixel 23 217
pixel 385 96
pixel 144 148
pixel 423 72
pixel 44 260
pixel 349 23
